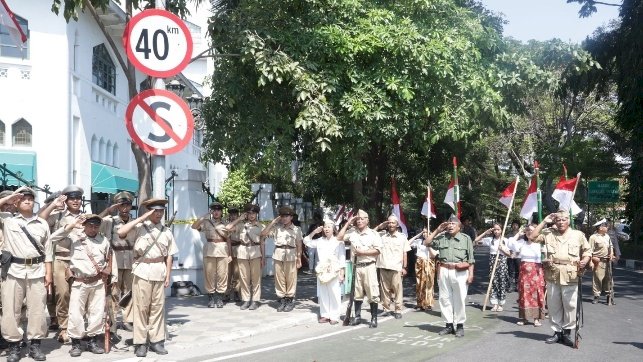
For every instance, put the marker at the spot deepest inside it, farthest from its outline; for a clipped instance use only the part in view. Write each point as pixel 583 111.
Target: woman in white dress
pixel 330 271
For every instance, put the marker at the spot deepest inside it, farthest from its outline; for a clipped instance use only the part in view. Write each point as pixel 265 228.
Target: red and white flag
pixel 425 206
pixel 564 194
pixel 530 205
pixel 453 195
pixel 507 195
pixel 397 209
pixel 340 213
pixel 9 22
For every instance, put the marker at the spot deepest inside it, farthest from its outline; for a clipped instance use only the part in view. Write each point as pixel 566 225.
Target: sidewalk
pixel 630 264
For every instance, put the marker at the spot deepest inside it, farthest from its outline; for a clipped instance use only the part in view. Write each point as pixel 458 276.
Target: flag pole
pixel 539 195
pixel 456 188
pixel 428 203
pixel 571 214
pixel 502 237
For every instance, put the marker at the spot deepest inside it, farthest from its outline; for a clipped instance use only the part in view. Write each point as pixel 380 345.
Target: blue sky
pixel 547 19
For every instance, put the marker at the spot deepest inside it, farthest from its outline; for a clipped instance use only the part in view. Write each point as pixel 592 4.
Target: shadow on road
pixel 638 345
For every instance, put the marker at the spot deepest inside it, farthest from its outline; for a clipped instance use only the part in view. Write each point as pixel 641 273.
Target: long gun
pixel 107 318
pixel 349 306
pixel 610 269
pixel 579 309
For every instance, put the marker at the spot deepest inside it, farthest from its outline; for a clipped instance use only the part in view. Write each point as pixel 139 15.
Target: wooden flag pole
pixel 502 237
pixel 571 214
pixel 428 203
pixel 456 188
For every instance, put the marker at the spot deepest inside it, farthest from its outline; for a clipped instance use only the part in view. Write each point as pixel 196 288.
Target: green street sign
pixel 602 192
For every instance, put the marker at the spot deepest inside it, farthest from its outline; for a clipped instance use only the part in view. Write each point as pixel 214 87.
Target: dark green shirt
pixel 454 249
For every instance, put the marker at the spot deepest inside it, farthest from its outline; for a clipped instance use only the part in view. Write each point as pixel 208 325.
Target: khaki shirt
pixel 565 251
pixel 57 220
pixel 394 246
pixel 454 249
pixel 286 236
pixel 367 239
pixel 235 238
pixel 165 246
pixel 109 228
pixel 215 235
pixel 81 247
pixel 599 245
pixel 249 234
pixel 17 243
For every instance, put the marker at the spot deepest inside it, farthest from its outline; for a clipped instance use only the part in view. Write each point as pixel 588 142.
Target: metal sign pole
pixel 158 162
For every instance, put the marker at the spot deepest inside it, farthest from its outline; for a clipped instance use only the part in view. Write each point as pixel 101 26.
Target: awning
pixel 21 163
pixel 111 180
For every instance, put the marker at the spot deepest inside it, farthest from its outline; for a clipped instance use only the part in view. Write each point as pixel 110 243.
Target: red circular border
pixel 137 64
pixel 139 141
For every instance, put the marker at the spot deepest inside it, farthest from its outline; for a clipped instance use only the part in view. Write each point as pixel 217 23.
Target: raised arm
pixel 197 224
pixel 125 229
pixel 266 231
pixel 57 203
pixel 541 226
pixel 231 226
pixel 342 232
pixel 438 230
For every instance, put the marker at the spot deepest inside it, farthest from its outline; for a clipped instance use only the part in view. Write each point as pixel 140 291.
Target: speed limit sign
pixel 158 43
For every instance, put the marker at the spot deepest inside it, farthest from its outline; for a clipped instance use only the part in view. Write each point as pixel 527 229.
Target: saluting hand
pixel 59 201
pixel 148 213
pixel 442 227
pixel 550 218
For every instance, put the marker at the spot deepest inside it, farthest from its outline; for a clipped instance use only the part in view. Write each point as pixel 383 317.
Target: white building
pixel 62 106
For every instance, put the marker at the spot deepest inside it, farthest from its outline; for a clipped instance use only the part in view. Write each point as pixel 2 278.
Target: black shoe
pixel 290 305
pixel 14 352
pixel 35 352
pixel 246 304
pixel 566 338
pixel 282 305
pixel 446 330
pixel 398 315
pixel 93 347
pixel 127 326
pixel 158 347
pixel 554 339
pixel 75 350
pixel 595 301
pixel 254 305
pixel 357 319
pixel 459 330
pixel 140 350
pixel 211 300
pixel 3 343
pixel 373 316
pixel 218 300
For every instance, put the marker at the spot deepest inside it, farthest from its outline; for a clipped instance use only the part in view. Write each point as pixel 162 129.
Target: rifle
pixel 349 306
pixel 610 294
pixel 579 309
pixel 107 318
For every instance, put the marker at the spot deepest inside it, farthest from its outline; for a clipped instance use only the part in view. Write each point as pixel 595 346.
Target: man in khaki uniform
pixel 250 255
pixel 567 252
pixel 602 253
pixel 287 256
pixel 26 237
pixel 391 264
pixel 234 286
pixel 90 267
pixel 366 246
pixel 57 217
pixel 123 252
pixel 217 254
pixel 153 252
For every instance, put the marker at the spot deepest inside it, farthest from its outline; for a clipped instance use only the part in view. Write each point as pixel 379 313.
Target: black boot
pixel 373 315
pixel 3 343
pixel 210 300
pixel 75 350
pixel 254 305
pixel 459 330
pixel 245 305
pixel 13 355
pixel 567 338
pixel 290 305
pixel 219 300
pixel 446 330
pixel 93 347
pixel 555 338
pixel 158 347
pixel 357 319
pixel 35 352
pixel 140 350
pixel 282 305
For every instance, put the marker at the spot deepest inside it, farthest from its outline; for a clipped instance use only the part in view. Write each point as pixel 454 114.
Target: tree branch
pixel 103 29
pixel 205 54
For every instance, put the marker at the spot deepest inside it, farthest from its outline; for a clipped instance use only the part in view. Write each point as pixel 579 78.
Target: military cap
pixel 251 208
pixel 286 210
pixel 601 222
pixel 92 219
pixel 24 190
pixel 73 191
pixel 233 210
pixel 5 193
pixel 154 203
pixel 362 213
pixel 454 219
pixel 52 197
pixel 123 197
pixel 216 206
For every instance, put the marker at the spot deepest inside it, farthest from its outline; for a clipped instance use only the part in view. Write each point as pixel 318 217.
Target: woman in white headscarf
pixel 330 271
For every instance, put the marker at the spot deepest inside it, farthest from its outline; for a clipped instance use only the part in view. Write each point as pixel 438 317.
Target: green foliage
pixel 235 190
pixel 71 8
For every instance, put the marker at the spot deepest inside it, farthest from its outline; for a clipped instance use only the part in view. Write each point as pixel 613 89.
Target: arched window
pixel 115 157
pixel 101 150
pixel 2 131
pixel 21 133
pixel 109 153
pixel 8 47
pixel 94 149
pixel 103 69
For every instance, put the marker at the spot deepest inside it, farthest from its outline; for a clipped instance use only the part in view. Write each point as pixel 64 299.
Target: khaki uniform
pixel 389 264
pixel 599 245
pixel 564 253
pixel 234 284
pixel 452 281
pixel 148 287
pixel 366 283
pixel 249 260
pixel 123 259
pixel 285 259
pixel 62 288
pixel 215 254
pixel 25 283
pixel 87 300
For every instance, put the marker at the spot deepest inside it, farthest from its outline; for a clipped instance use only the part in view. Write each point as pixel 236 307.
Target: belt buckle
pixel 28 262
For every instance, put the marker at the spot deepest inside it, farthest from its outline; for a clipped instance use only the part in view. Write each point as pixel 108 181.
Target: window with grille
pixel 103 69
pixel 8 46
pixel 1 133
pixel 21 133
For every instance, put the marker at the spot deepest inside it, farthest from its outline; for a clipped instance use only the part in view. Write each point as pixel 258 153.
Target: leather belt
pixel 257 244
pixel 564 262
pixel 27 261
pixel 216 241
pixel 284 247
pixel 160 259
pixel 88 280
pixel 235 243
pixel 64 254
pixel 455 266
pixel 366 263
pixel 122 248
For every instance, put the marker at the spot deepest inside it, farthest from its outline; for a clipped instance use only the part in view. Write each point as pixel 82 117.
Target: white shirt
pixel 328 248
pixel 421 250
pixel 493 247
pixel 527 251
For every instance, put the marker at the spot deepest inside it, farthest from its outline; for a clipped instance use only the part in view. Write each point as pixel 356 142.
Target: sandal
pixel 537 323
pixel 495 308
pixel 499 308
pixel 521 323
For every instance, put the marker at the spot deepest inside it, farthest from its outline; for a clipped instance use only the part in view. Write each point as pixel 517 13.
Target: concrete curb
pixel 630 264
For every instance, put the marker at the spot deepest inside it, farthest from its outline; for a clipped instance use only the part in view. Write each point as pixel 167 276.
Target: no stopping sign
pixel 158 43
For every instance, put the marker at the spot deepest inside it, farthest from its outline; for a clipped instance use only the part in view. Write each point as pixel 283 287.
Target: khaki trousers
pixel 561 303
pixel 366 283
pixel 285 278
pixel 234 285
pixel 602 281
pixel 148 298
pixel 250 279
pixel 215 274
pixel 453 292
pixel 62 288
pixel 391 289
pixel 86 302
pixel 14 293
pixel 119 289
